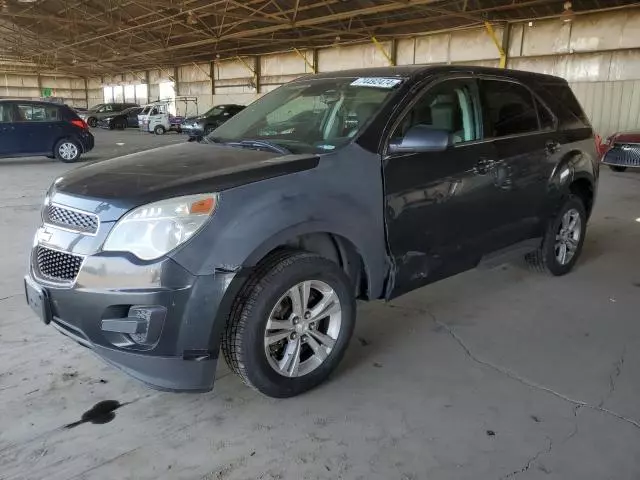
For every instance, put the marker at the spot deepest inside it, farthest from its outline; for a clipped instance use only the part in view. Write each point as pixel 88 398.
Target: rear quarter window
pixel 560 98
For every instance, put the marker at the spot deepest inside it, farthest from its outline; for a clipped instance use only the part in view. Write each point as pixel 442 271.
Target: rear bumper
pixel 178 344
pixel 88 141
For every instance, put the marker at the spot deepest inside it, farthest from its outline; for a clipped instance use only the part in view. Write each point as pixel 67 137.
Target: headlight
pixel 153 230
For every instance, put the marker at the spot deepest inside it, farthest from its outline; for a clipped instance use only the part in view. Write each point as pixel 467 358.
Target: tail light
pixel 78 122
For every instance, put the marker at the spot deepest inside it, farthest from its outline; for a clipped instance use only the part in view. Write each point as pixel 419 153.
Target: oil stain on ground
pixel 102 412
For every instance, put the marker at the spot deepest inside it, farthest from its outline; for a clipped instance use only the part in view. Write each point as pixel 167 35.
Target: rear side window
pixel 547 122
pixel 509 109
pixel 38 113
pixel 565 105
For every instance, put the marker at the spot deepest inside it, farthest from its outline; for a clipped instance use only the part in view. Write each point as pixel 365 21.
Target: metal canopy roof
pixel 93 37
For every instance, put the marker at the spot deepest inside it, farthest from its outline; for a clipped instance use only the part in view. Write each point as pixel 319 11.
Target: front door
pixel 437 204
pixel 38 126
pixel 9 144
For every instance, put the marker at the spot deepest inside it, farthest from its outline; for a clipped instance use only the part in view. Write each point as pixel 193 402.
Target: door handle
pixel 552 146
pixel 483 166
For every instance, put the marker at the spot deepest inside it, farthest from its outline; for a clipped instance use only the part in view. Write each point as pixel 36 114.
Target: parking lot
pixel 491 374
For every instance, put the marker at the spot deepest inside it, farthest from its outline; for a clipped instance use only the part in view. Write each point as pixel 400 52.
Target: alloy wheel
pixel 568 236
pixel 68 151
pixel 302 328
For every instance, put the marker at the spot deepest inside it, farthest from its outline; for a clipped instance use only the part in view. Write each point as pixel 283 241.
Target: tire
pixel 208 129
pixel 265 294
pixel 159 130
pixel 67 151
pixel 616 168
pixel 92 122
pixel 546 258
pixel 120 125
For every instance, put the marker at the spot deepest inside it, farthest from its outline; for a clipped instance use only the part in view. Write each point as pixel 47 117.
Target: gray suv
pixel 257 241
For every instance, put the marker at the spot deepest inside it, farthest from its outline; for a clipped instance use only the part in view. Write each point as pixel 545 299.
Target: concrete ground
pixel 492 374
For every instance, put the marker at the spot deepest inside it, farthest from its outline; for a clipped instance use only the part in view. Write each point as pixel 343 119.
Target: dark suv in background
pixel 103 110
pixel 258 240
pixel 30 128
pixel 202 125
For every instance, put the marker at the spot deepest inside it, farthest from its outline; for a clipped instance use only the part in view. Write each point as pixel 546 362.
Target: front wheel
pixel 159 130
pixel 92 122
pixel 67 151
pixel 290 325
pixel 563 239
pixel 121 125
pixel 616 168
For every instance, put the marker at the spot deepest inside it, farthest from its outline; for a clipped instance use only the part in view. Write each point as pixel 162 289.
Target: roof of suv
pixel 35 102
pixel 419 71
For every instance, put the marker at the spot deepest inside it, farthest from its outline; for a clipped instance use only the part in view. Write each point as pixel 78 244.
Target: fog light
pixel 142 325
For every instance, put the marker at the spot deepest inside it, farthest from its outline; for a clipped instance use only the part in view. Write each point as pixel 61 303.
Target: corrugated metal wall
pixel 611 106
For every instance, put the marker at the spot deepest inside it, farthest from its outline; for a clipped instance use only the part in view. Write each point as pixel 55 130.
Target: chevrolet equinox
pixel 257 241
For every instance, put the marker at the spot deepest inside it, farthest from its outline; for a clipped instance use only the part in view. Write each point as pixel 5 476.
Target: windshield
pixel 214 111
pixel 310 116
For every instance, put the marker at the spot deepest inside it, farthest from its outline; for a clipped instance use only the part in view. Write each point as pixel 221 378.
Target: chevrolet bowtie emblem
pixel 44 235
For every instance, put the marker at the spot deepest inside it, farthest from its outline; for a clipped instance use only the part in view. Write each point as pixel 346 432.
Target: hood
pixel 193 119
pixel 181 169
pixel 627 137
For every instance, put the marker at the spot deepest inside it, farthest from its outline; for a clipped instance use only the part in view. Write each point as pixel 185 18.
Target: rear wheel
pixel 67 151
pixel 563 240
pixel 290 325
pixel 616 168
pixel 159 130
pixel 92 122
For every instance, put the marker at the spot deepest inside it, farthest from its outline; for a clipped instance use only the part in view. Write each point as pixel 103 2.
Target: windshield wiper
pixel 260 145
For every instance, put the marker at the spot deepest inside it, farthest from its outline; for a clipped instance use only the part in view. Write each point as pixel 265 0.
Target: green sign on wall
pixel 47 92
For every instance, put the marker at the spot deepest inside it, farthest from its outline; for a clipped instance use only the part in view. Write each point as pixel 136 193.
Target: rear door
pixel 438 204
pixel 523 132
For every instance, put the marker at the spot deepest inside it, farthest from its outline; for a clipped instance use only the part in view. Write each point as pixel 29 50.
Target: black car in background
pixel 31 128
pixel 102 110
pixel 120 121
pixel 202 125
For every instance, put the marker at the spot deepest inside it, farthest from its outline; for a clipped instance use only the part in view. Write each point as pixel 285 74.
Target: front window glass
pixel 310 116
pixel 5 112
pixel 448 106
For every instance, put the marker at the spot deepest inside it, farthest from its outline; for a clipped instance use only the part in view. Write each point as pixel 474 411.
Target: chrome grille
pixel 624 155
pixel 57 266
pixel 71 219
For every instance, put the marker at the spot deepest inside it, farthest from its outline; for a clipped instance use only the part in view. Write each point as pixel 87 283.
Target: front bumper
pixel 193 130
pixel 188 313
pixel 626 155
pixel 105 123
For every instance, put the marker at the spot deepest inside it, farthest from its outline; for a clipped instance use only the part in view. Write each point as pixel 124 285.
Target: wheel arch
pixel 574 175
pixel 328 243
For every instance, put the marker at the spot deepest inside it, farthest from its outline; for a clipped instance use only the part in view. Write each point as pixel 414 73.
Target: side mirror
pixel 422 138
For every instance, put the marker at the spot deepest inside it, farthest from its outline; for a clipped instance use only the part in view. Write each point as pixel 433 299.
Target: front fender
pixel 340 196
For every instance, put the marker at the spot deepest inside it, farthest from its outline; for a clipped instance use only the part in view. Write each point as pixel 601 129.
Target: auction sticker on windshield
pixel 376 82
